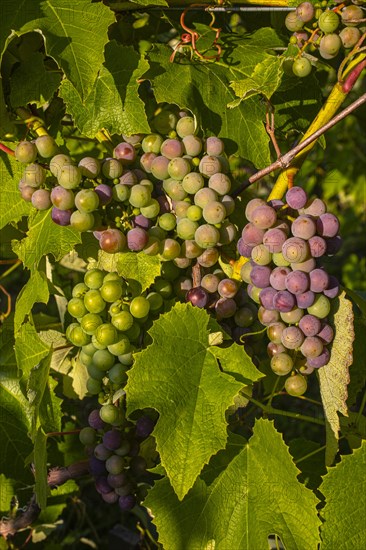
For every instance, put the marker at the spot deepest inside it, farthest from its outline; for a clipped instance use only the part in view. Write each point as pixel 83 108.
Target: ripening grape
pixel 104 193
pixel 172 148
pixel 252 235
pixel 278 277
pixel 206 236
pixel 209 165
pixel 192 145
pixel 106 334
pixel 311 347
pixel 34 175
pixel 220 183
pixel 214 146
pixel 295 250
pixel 319 361
pixel 267 316
pixel 297 282
pixel 76 308
pixel 76 335
pixel 329 46
pixel 186 228
pixel 205 196
pixel 244 249
pixel 328 21
pixel 86 200
pixel 112 241
pixel 227 232
pixel 264 217
pixel 125 152
pixel 305 11
pixel 69 176
pixel 327 225
pixel 306 266
pixel 273 239
pixel 301 67
pixel 214 212
pixel 333 245
pixel 82 221
pixel 190 249
pixel 26 152
pixel 315 207
pixel 350 36
pixel 350 15
pixel 228 288
pixel 137 239
pixel 292 337
pixel 90 167
pixel 303 227
pixel 41 199
pixel 310 325
pixel 46 146
pixel 282 364
pixel 178 168
pixel 319 280
pixel 169 249
pixel 296 197
pixel 121 192
pixel 275 330
pixel 225 308
pixel 159 168
pixel 273 349
pixel 26 192
pixel 318 246
pixel 293 22
pixel 296 385
pixel 208 257
pixel 112 168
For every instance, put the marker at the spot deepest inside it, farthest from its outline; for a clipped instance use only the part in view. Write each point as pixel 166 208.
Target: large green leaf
pixel 131 265
pixel 45 237
pixel 12 206
pixel 32 83
pixel 113 102
pixel 75 34
pixel 40 468
pixel 179 376
pixel 344 488
pixel 36 290
pixel 257 495
pixel 235 361
pixel 29 349
pixel 334 377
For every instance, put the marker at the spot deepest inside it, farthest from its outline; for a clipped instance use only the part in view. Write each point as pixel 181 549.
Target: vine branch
pixel 285 160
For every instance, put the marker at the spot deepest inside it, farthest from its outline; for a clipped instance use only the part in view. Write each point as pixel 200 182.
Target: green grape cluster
pixel 317 27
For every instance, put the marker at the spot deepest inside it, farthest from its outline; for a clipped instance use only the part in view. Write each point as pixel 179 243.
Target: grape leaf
pixel 264 80
pixel 50 412
pixel 7 491
pixel 75 34
pixel 344 488
pixel 113 102
pixel 258 494
pixel 334 378
pixel 235 361
pixel 36 388
pixel 6 124
pixel 179 377
pixel 32 83
pixel 12 206
pixel 140 267
pixel 79 375
pixel 151 2
pixel 45 237
pixel 36 290
pixel 29 349
pixel 358 369
pixel 40 468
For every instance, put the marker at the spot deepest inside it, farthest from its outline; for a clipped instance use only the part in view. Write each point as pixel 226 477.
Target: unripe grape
pixel 329 46
pixel 86 200
pixel 46 146
pixel 82 221
pixel 328 21
pixel 296 385
pixel 293 22
pixel 209 165
pixel 206 236
pixel 282 364
pixel 192 145
pixel 350 15
pixel 305 11
pixel 112 168
pixel 292 337
pixel 26 152
pixel 34 175
pixel 41 199
pixel 350 36
pixel 57 163
pixel 301 67
pixel 69 176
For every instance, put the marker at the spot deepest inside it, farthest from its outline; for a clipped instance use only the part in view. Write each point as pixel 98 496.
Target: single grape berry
pixel 197 296
pixel 301 67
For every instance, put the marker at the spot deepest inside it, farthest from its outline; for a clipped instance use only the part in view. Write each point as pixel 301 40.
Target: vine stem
pixel 285 160
pixel 268 410
pixel 33 122
pixel 6 149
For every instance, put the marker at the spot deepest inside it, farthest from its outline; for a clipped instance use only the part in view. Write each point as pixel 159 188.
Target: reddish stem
pixel 6 149
pixel 352 77
pixel 71 432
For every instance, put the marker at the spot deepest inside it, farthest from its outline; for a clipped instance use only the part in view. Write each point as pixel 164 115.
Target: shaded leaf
pixel 140 267
pixel 79 375
pixel 235 361
pixel 334 378
pixel 29 349
pixel 179 377
pixel 12 206
pixel 36 290
pixel 40 468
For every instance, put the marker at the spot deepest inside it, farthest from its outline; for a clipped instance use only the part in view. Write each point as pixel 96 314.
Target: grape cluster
pixel 164 195
pixel 284 245
pixel 325 31
pixel 113 446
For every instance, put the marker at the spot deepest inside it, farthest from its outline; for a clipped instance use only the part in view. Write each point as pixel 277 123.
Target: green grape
pixel 123 321
pixel 106 334
pixel 320 307
pixel 90 322
pixel 79 290
pixel 111 291
pixel 152 143
pixel 139 307
pixel 152 247
pixel 163 287
pixel 181 208
pixel 110 414
pixel 151 210
pixel 193 182
pixel 186 126
pixel 330 45
pixel 86 200
pixel 169 250
pixel 112 168
pixel 97 344
pixel 245 272
pixel 69 176
pixel 126 359
pixel 301 67
pixel 261 255
pixel 46 146
pixel 117 374
pixel 178 168
pixel 82 221
pixel 194 213
pixel 103 359
pixel 76 307
pixel 156 301
pixel 76 335
pixel 25 152
pixel 112 276
pixel 94 302
pixel 293 316
pixel 282 364
pixel 214 212
pixel 349 36
pixel 34 175
pixel 140 196
pixel 121 192
pixel 165 121
pixel 94 372
pixel 293 22
pixel 167 221
pixel 279 260
pixel 93 386
pixel 89 349
pixel 147 183
pixel 90 167
pixel 296 385
pixel 186 229
pixel 94 278
pixel 57 163
pixel 87 436
pixel 169 271
pixel 134 333
pixel 205 196
pixel 174 189
pixel 121 347
pixel 85 359
pixel 206 236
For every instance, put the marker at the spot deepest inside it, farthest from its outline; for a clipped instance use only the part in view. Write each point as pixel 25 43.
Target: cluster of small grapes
pixel 163 195
pixel 113 446
pixel 316 28
pixel 110 316
pixel 284 277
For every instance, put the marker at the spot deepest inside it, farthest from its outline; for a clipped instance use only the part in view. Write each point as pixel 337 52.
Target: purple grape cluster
pixel 286 278
pixel 113 446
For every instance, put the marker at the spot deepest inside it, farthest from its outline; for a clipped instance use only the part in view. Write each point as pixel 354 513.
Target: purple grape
pixel 278 277
pixel 61 217
pixel 127 502
pixel 267 316
pixel 264 217
pixel 41 199
pixel 303 227
pixel 292 337
pixel 251 206
pixel 312 347
pixel 252 235
pixel 319 280
pixel 320 361
pixel 96 466
pixel 284 301
pixel 318 246
pixel 297 282
pixel 104 193
pixel 110 498
pixel 315 207
pixel 95 421
pixel 305 300
pixel 164 204
pixel 274 239
pixel 101 452
pixel 327 225
pixel 266 297
pixel 326 333
pixel 310 325
pixel 198 296
pixel 260 276
pixel 102 485
pixel 227 288
pixel 117 480
pixel 277 204
pixel 26 192
pixel 137 239
pixel 273 349
pixel 129 178
pixel 296 198
pixel 225 308
pixel 332 289
pixel 306 266
pixel 172 148
pixel 112 439
pixel 144 427
pixel 333 245
pixel 142 221
pixel 244 249
pixel 125 152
